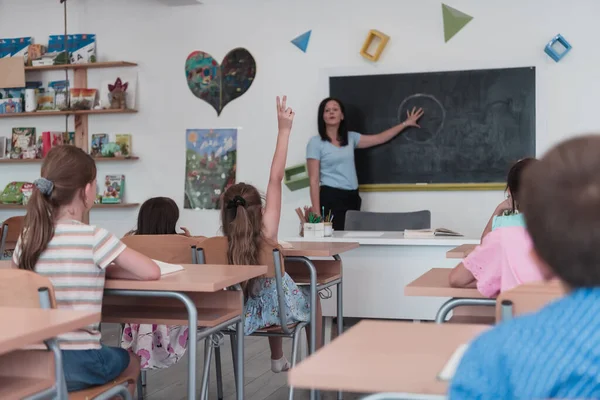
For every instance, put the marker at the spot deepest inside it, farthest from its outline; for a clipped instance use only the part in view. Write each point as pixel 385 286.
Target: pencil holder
pixel 328 229
pixel 314 230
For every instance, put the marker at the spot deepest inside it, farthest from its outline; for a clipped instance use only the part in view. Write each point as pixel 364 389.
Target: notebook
pixel 449 369
pixel 429 233
pixel 166 268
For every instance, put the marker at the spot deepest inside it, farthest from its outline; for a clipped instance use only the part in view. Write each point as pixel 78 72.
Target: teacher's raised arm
pixel 330 159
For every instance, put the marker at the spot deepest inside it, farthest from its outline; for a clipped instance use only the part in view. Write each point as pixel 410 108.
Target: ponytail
pixel 38 229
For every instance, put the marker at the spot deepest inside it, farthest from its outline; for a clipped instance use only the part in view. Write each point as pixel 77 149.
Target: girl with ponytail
pixel 76 257
pixel 248 225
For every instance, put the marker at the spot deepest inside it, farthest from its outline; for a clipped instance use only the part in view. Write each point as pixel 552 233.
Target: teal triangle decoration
pixel 454 21
pixel 301 41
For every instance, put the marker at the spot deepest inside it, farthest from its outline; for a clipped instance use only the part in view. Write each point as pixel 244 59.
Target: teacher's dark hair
pixel 342 130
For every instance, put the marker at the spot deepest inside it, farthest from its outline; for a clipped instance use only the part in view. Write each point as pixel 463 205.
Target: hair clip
pixel 236 201
pixel 45 186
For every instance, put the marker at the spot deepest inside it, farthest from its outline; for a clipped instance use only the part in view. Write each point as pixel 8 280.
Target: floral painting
pixel 210 165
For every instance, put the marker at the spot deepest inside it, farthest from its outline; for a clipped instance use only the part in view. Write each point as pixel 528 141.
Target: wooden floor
pixel 261 383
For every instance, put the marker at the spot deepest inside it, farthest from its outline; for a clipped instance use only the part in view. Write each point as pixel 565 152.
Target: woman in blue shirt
pixel 330 159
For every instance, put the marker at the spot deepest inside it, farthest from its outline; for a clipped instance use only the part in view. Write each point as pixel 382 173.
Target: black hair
pixel 343 128
pixel 158 216
pixel 513 180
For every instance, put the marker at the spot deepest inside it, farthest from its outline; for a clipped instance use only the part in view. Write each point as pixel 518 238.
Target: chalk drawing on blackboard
pixel 432 121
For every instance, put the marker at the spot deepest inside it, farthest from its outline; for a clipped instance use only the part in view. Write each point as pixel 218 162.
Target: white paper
pixel 166 268
pixel 450 368
pixel 359 234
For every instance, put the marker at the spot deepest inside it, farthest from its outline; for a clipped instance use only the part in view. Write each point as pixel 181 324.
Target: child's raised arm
pixel 285 117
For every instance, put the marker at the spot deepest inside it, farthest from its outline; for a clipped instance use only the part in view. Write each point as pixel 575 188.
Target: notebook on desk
pixel 447 373
pixel 429 233
pixel 166 268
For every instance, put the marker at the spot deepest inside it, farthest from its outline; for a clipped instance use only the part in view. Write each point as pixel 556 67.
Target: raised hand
pixel 413 116
pixel 285 115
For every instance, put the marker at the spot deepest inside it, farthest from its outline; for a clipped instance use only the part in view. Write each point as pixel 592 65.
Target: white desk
pixel 376 273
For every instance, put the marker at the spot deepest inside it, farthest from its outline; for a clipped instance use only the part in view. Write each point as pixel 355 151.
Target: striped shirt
pixel 75 262
pixel 554 353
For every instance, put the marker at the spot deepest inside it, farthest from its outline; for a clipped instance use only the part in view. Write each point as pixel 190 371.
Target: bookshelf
pixel 80 80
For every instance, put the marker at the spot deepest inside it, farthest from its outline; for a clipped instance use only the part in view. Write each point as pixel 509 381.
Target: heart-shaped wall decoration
pixel 217 84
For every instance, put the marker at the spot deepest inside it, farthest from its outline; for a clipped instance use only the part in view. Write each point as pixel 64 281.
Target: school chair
pixel 527 298
pixel 21 288
pixel 10 231
pixel 214 251
pixel 172 249
pixel 379 221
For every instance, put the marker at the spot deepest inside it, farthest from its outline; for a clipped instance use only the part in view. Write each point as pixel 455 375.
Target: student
pixel 330 159
pixel 248 225
pixel 503 260
pixel 553 353
pixel 507 213
pixel 56 244
pixel 157 346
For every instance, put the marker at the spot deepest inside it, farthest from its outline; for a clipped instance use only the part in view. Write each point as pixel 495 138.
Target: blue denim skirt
pixel 87 368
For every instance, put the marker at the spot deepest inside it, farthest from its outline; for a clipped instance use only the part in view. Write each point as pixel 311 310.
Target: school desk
pixel 461 251
pixel 385 356
pixel 192 297
pixel 435 283
pixel 527 298
pixel 24 373
pixel 376 272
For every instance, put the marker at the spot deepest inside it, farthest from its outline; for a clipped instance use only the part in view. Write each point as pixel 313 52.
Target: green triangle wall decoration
pixel 454 21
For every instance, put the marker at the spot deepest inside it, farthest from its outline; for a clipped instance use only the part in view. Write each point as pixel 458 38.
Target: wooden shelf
pixel 70 112
pixel 122 205
pixel 104 64
pixel 39 160
pixel 23 207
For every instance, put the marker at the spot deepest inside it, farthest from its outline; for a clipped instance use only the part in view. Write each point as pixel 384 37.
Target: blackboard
pixel 476 124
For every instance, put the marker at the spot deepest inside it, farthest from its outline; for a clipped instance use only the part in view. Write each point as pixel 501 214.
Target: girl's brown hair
pixel 241 217
pixel 65 173
pixel 158 216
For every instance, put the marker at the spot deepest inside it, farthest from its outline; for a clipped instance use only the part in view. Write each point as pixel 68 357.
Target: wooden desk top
pixel 461 251
pixel 25 326
pixel 194 278
pixel 434 283
pixel 318 249
pixel 385 356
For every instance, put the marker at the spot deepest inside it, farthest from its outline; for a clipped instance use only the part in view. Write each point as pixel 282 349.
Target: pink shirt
pixel 503 261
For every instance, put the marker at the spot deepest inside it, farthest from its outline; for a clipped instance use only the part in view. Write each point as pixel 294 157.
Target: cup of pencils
pixel 311 224
pixel 328 224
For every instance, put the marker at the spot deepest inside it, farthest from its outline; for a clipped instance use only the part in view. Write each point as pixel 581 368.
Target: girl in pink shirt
pixel 503 260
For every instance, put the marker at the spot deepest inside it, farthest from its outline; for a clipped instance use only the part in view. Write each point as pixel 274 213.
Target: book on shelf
pixel 124 142
pixel 5 145
pixel 23 143
pixel 429 233
pixel 99 140
pixel 114 187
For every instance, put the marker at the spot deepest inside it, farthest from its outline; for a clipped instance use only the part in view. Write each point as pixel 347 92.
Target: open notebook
pixel 429 233
pixel 449 369
pixel 166 268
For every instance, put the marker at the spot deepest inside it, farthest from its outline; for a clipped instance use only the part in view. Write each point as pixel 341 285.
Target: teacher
pixel 330 160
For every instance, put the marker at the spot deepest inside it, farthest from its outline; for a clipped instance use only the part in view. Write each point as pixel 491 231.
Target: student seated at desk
pixel 503 260
pixel 555 352
pixel 75 257
pixel 157 346
pixel 248 225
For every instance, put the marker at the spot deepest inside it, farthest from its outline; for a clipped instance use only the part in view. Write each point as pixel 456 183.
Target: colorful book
pixel 124 142
pixel 23 143
pixel 69 138
pixel 98 142
pixel 114 187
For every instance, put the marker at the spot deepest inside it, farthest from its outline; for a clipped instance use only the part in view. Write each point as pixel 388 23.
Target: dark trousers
pixel 338 201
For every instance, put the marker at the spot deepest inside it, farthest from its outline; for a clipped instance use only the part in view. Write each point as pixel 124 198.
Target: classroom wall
pixel 158 37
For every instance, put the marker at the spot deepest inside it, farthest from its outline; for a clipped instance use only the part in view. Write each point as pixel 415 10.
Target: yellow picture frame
pixel 430 187
pixel 374 34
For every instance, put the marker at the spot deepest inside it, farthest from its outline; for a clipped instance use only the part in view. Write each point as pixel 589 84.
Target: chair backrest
pixel 215 248
pixel 174 249
pixel 376 221
pixel 529 297
pixel 11 229
pixel 19 288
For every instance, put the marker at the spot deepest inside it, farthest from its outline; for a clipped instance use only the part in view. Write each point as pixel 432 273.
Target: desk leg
pixel 340 308
pixel 240 358
pixel 60 383
pixel 192 326
pixel 313 307
pixel 451 304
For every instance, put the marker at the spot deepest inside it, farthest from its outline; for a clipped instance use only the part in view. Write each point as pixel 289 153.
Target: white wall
pixel 502 34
